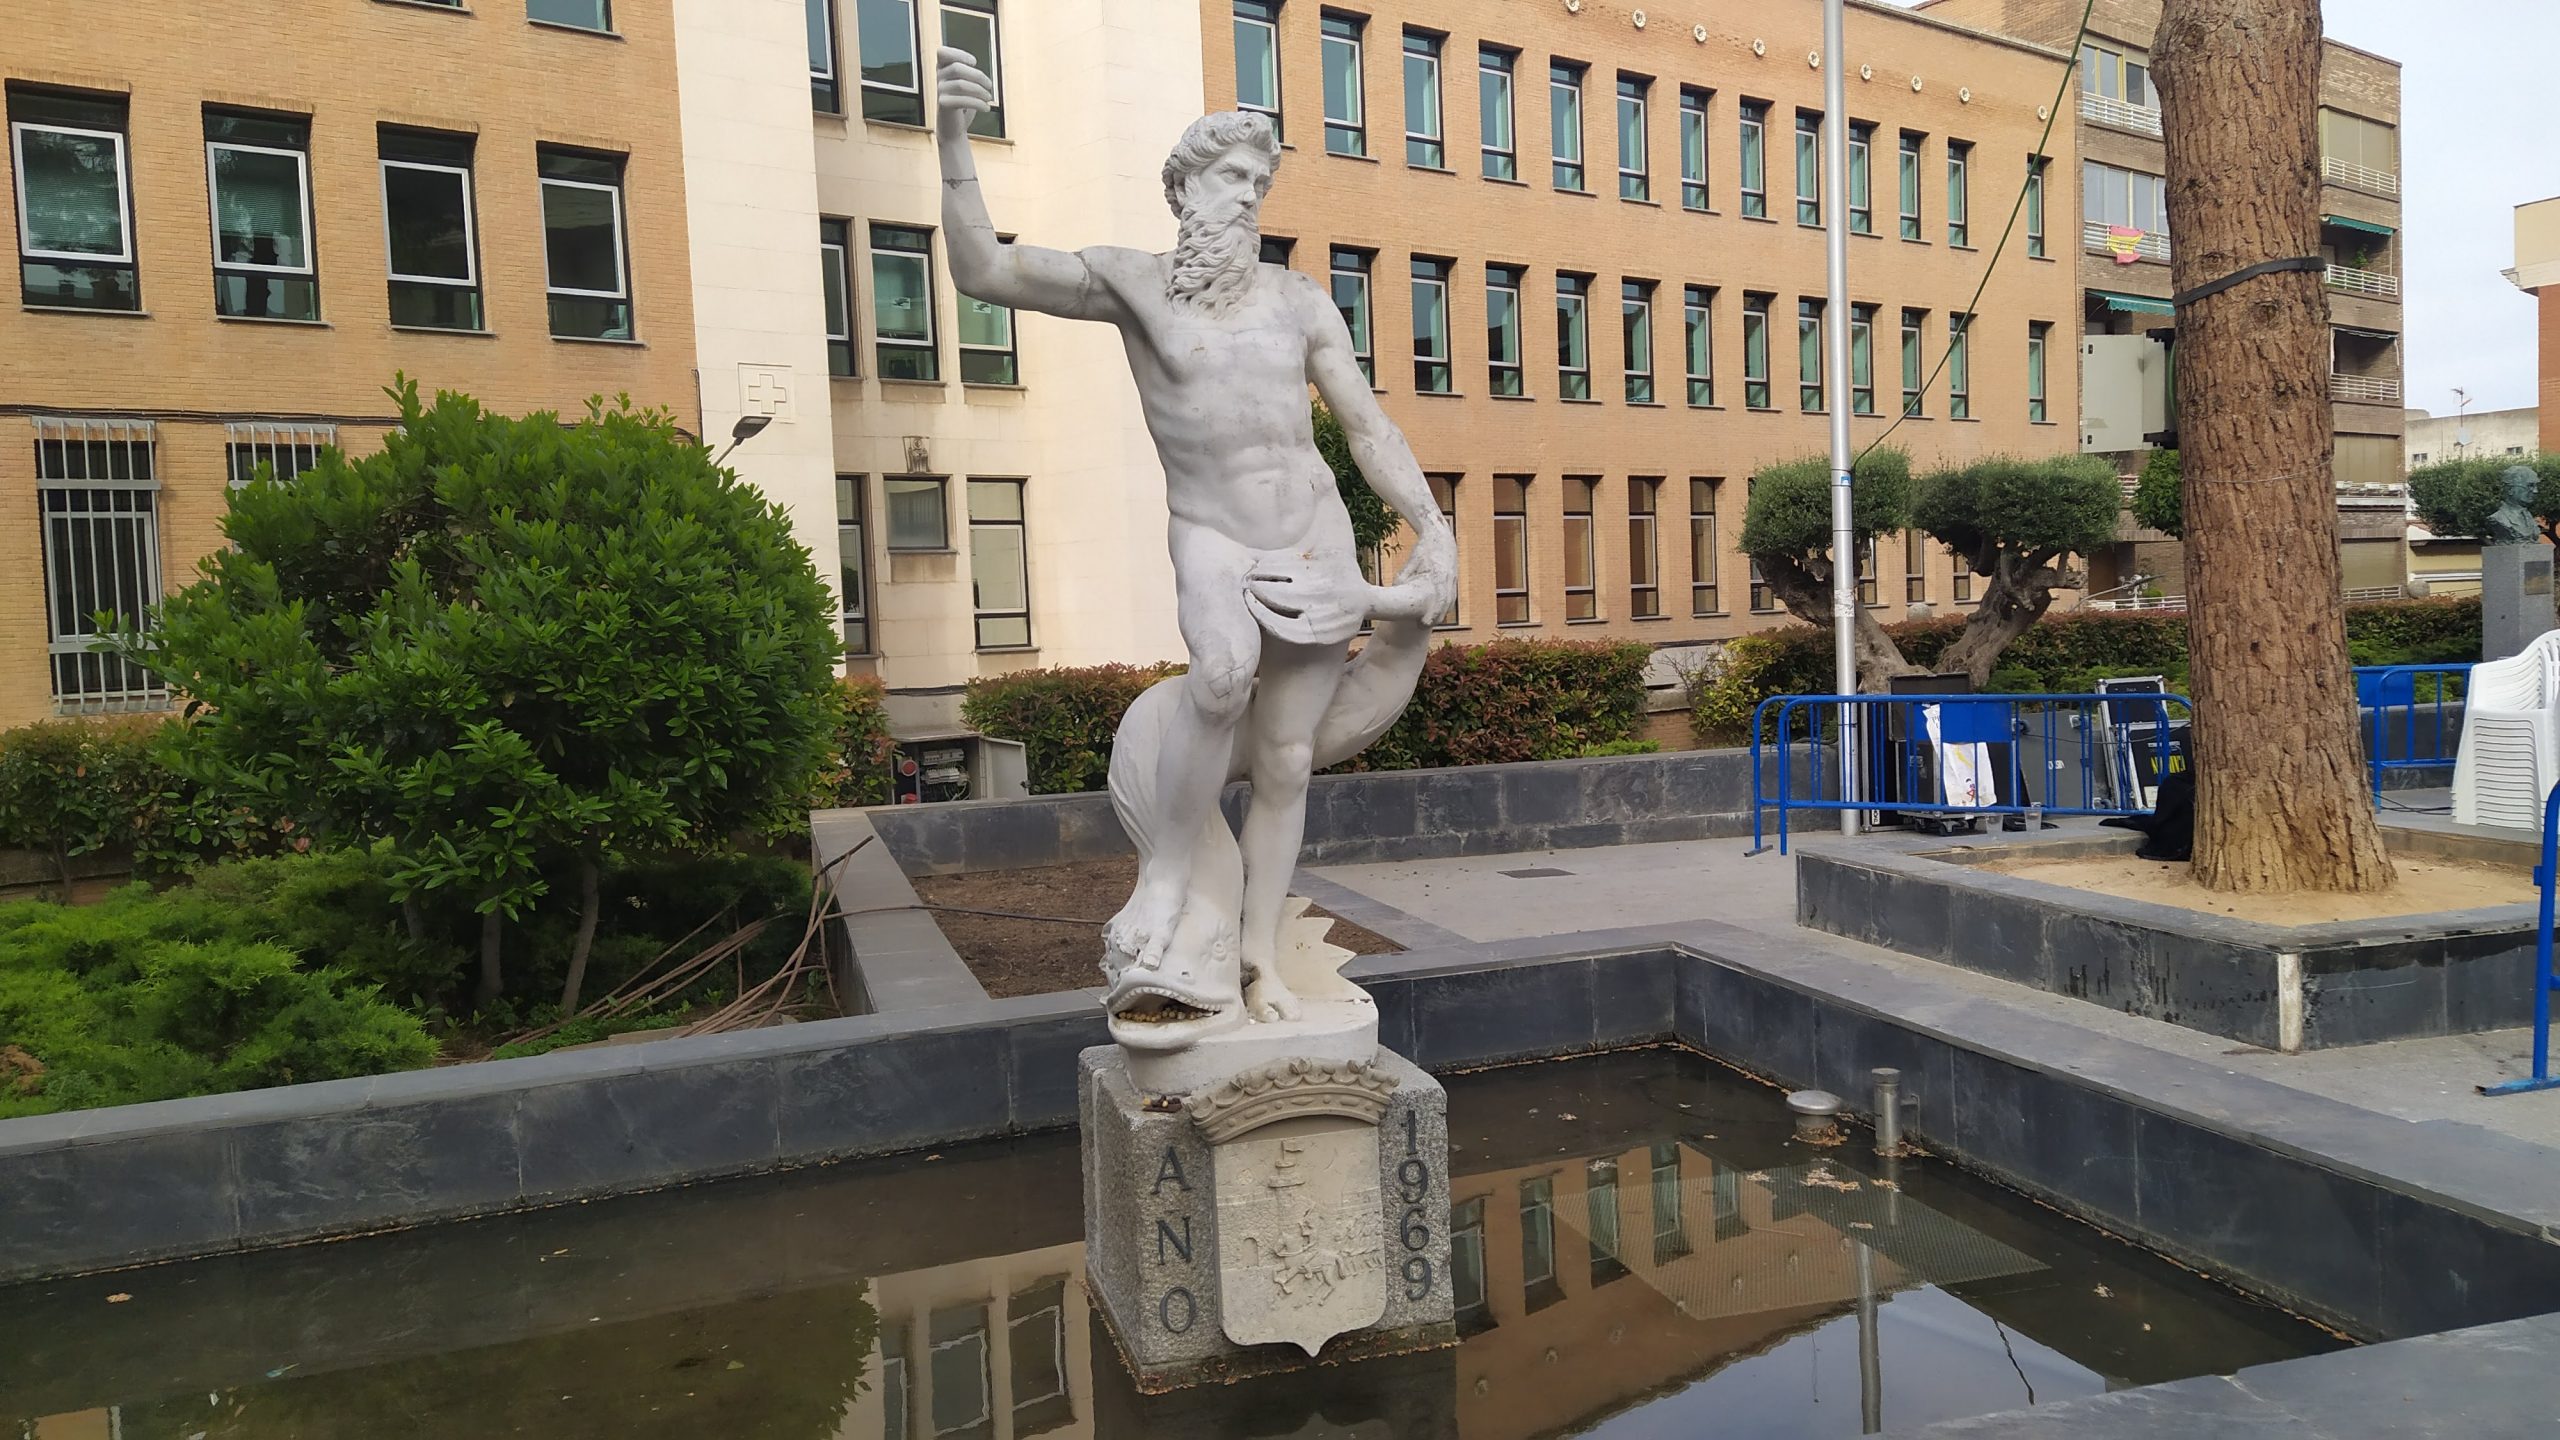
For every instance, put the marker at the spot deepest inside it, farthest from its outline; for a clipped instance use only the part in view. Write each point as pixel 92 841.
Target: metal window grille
pixel 288 449
pixel 97 491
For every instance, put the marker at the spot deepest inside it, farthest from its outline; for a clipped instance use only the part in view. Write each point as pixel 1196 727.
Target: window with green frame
pixel 1808 168
pixel 1809 355
pixel 1755 351
pixel 1752 132
pixel 1862 208
pixel 1907 175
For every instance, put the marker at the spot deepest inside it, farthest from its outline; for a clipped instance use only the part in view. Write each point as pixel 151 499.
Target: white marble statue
pixel 1268 584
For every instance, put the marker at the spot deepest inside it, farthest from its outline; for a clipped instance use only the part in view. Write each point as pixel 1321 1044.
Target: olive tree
pixel 515 649
pixel 2014 523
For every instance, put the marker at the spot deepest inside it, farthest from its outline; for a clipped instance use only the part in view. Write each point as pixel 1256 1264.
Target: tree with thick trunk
pixel 590 907
pixel 2281 802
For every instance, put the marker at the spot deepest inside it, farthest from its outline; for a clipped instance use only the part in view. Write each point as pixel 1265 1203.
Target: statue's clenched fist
pixel 962 90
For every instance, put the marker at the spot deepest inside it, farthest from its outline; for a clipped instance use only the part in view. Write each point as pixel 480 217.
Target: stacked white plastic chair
pixel 2510 755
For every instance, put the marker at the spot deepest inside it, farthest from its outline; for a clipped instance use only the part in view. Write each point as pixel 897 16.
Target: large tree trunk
pixel 590 906
pixel 2019 591
pixel 1806 592
pixel 2281 802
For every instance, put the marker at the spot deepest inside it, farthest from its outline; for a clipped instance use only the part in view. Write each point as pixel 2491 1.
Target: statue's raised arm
pixel 1026 277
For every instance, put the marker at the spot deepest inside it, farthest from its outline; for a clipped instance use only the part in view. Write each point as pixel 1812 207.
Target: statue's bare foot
pixel 1144 926
pixel 1270 998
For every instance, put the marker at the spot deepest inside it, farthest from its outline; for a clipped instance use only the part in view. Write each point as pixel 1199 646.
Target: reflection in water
pixel 1639 1248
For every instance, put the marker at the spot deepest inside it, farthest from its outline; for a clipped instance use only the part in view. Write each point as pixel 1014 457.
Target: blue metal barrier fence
pixel 2412 716
pixel 2543 980
pixel 2025 755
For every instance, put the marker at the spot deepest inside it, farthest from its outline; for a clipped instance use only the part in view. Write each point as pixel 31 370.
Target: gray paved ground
pixel 1634 885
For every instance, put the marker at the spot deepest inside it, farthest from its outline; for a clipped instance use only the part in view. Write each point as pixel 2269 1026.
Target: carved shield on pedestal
pixel 1301 1250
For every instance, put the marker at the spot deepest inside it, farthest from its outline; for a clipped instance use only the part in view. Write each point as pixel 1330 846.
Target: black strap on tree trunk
pixel 2263 267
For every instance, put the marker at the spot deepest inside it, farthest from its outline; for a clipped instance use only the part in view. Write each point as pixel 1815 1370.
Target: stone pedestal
pixel 1295 1208
pixel 2515 598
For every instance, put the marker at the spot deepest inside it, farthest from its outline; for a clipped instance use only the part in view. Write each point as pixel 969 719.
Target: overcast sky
pixel 2480 135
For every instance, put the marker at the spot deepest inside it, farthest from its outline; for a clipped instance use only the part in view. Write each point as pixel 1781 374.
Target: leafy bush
pixel 2159 498
pixel 2060 654
pixel 520 652
pixel 1515 700
pixel 129 1000
pixel 1619 747
pixel 857 765
pixel 2457 497
pixel 70 788
pixel 1065 718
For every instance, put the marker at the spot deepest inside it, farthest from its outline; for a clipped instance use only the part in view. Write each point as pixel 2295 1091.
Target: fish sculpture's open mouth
pixel 1147 1013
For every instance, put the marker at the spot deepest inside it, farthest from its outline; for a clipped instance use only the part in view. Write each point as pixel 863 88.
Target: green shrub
pixel 1619 747
pixel 114 1003
pixel 857 765
pixel 70 788
pixel 1515 700
pixel 1064 717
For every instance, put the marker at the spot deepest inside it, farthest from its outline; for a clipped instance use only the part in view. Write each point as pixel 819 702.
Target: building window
pixel 1581 549
pixel 1277 249
pixel 1466 1268
pixel 1634 181
pixel 1511 549
pixel 1644 548
pixel 892 87
pixel 919 512
pixel 1258 59
pixel 284 451
pixel 963 1401
pixel 97 491
pixel 1502 328
pixel 1867 571
pixel 1959 367
pixel 1862 359
pixel 1915 567
pixel 1755 353
pixel 1573 336
pixel 589 274
pixel 2113 75
pixel 986 341
pixel 1494 113
pixel 2035 207
pixel 1703 599
pixel 1036 1328
pixel 1351 297
pixel 1693 149
pixel 258 175
pixel 1964 582
pixel 1762 602
pixel 2037 334
pixel 970 25
pixel 577 14
pixel 1753 128
pixel 75 201
pixel 1431 371
pixel 824 92
pixel 1914 360
pixel 1808 168
pixel 999 565
pixel 428 230
pixel 1670 1224
pixel 902 297
pixel 1809 355
pixel 2359 152
pixel 1907 171
pixel 853 564
pixel 1422 139
pixel 1862 207
pixel 1444 498
pixel 1538 1243
pixel 1345 99
pixel 1564 116
pixel 1698 312
pixel 2129 198
pixel 1959 192
pixel 1635 314
pixel 835 275
pixel 1600 1221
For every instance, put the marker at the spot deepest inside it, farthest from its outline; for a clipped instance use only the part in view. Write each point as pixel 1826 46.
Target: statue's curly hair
pixel 1211 136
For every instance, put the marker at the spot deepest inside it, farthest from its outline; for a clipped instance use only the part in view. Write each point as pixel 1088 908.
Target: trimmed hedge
pixel 2062 654
pixel 1474 705
pixel 856 771
pixel 70 788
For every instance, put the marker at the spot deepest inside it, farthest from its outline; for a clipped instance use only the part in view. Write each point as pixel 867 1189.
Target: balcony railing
pixel 2139 119
pixel 2364 282
pixel 2370 389
pixel 2359 177
pixel 2152 246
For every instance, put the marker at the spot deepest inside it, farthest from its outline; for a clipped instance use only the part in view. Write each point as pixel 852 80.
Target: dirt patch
pixel 1036 957
pixel 2425 887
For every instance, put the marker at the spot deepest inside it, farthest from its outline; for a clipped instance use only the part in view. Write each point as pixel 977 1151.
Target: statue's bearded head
pixel 1215 180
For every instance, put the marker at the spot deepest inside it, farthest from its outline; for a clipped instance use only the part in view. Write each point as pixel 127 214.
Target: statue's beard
pixel 1214 260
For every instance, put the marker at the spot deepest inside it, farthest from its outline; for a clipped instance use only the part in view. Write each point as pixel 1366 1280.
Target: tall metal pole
pixel 1844 539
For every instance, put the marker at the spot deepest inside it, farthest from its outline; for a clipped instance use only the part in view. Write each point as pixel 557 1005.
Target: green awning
pixel 2367 226
pixel 2135 304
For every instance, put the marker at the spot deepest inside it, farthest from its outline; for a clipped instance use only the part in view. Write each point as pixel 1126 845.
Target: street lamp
pixel 747 428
